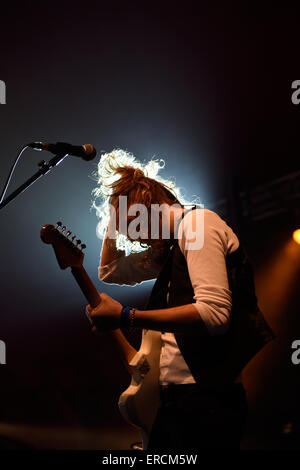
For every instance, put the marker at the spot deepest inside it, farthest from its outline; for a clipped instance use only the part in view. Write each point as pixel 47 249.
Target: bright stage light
pixel 296 236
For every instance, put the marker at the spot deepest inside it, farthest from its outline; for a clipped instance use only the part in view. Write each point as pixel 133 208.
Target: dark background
pixel 206 88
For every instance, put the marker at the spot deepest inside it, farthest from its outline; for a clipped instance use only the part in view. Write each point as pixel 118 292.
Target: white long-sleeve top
pixel 208 275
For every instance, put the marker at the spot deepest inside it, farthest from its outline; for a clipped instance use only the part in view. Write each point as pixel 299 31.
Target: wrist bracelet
pixel 127 317
pixel 132 317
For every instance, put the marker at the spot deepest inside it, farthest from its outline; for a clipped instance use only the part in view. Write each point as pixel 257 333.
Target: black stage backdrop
pixel 206 88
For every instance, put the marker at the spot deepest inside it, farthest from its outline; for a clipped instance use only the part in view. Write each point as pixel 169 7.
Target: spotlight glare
pixel 296 236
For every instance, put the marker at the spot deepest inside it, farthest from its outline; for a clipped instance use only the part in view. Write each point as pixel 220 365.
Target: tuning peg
pixel 63 228
pixel 68 233
pixel 73 238
pixel 78 242
pixel 58 224
pixel 82 246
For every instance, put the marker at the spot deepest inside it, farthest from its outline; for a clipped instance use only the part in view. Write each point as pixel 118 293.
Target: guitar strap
pixel 159 294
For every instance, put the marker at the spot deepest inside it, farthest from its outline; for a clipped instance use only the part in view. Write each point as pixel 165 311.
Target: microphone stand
pixel 44 169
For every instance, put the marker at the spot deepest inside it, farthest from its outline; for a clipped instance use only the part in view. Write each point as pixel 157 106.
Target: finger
pixel 88 308
pixel 87 311
pixel 93 314
pixel 88 314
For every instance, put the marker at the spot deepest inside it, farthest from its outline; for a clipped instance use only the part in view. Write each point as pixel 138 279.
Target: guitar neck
pixel 91 294
pixel 87 287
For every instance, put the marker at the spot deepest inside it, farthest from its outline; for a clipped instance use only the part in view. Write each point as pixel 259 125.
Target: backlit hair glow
pixel 119 173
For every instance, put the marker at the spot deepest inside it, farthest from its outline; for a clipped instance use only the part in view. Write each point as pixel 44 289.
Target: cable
pixel 11 172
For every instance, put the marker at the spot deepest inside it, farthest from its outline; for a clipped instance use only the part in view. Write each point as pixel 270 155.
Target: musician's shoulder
pixel 204 214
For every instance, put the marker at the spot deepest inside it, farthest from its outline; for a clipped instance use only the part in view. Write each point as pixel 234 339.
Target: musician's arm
pixel 137 267
pixel 109 251
pixel 211 312
pixel 182 319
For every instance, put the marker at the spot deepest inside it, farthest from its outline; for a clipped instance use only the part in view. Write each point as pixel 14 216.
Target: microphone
pixel 87 151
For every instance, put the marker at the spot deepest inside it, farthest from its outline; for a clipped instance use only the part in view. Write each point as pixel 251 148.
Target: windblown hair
pixel 120 174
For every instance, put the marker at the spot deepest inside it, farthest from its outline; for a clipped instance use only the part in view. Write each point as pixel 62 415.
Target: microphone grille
pixel 90 151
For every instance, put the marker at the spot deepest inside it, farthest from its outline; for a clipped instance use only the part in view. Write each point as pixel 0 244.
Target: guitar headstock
pixel 68 251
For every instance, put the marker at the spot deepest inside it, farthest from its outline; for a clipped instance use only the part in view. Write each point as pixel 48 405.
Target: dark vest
pixel 215 360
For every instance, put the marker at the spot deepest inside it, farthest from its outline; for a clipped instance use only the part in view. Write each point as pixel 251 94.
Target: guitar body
pixel 139 403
